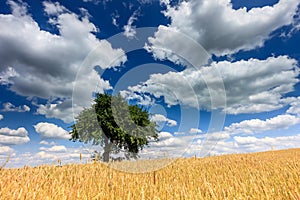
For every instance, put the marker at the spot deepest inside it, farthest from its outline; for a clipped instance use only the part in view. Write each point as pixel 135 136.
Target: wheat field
pixel 266 175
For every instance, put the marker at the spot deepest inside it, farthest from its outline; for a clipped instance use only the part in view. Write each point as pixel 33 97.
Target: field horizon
pixel 263 175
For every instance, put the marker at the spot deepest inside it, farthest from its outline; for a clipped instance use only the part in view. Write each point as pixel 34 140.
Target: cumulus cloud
pixel 240 143
pixel 255 126
pixel 6 75
pixel 168 145
pixel 114 18
pixel 217 136
pixel 1 117
pixel 295 107
pixel 72 155
pixel 161 118
pixel 53 8
pixel 9 107
pixel 13 137
pixel 141 99
pixel 251 86
pixel 6 150
pixel 20 132
pixel 283 121
pixel 179 145
pixel 48 130
pixel 61 110
pixel 189 53
pixel 129 28
pixel 49 62
pixel 195 131
pixel 244 144
pixel 58 148
pixel 44 142
pixel 250 143
pixel 18 9
pixel 164 135
pixel 219 28
pixel 44 155
pixel 51 156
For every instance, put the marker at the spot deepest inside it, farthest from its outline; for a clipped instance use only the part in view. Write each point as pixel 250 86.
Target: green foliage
pixel 116 125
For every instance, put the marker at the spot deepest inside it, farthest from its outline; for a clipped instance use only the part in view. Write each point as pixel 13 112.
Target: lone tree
pixel 114 124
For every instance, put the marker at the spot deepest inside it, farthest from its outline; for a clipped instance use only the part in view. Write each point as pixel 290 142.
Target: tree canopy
pixel 116 125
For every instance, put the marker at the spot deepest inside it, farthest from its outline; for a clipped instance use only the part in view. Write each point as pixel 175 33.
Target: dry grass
pixel 268 175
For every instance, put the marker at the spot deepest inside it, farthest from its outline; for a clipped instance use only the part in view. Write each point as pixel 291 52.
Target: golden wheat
pixel 268 175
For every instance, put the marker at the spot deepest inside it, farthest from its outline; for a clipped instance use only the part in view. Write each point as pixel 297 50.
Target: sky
pixel 219 77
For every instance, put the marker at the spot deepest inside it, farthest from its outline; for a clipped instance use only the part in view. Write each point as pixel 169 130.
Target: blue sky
pixel 219 77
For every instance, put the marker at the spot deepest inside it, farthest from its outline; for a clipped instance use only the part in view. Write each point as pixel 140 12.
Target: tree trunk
pixel 107 149
pixel 105 156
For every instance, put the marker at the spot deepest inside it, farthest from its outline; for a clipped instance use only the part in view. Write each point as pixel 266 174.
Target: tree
pixel 116 125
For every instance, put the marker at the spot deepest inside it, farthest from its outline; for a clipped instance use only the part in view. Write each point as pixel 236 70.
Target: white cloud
pixel 242 144
pixel 114 22
pixel 252 126
pixel 20 132
pixel 164 135
pixel 13 137
pixel 129 29
pixel 53 154
pixel 115 16
pixel 18 9
pixel 189 53
pixel 167 140
pixel 141 100
pixel 165 2
pixel 250 143
pixel 295 27
pixel 177 133
pixel 169 144
pixel 44 155
pixel 44 142
pixel 9 107
pixel 53 8
pixel 6 150
pixel 72 155
pixel 245 145
pixel 48 130
pixel 6 75
pixel 251 86
pixel 59 148
pixel 51 61
pixel 217 136
pixel 295 107
pixel 161 118
pixel 172 142
pixel 195 131
pixel 61 110
pixel 1 117
pixel 245 140
pixel 219 28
